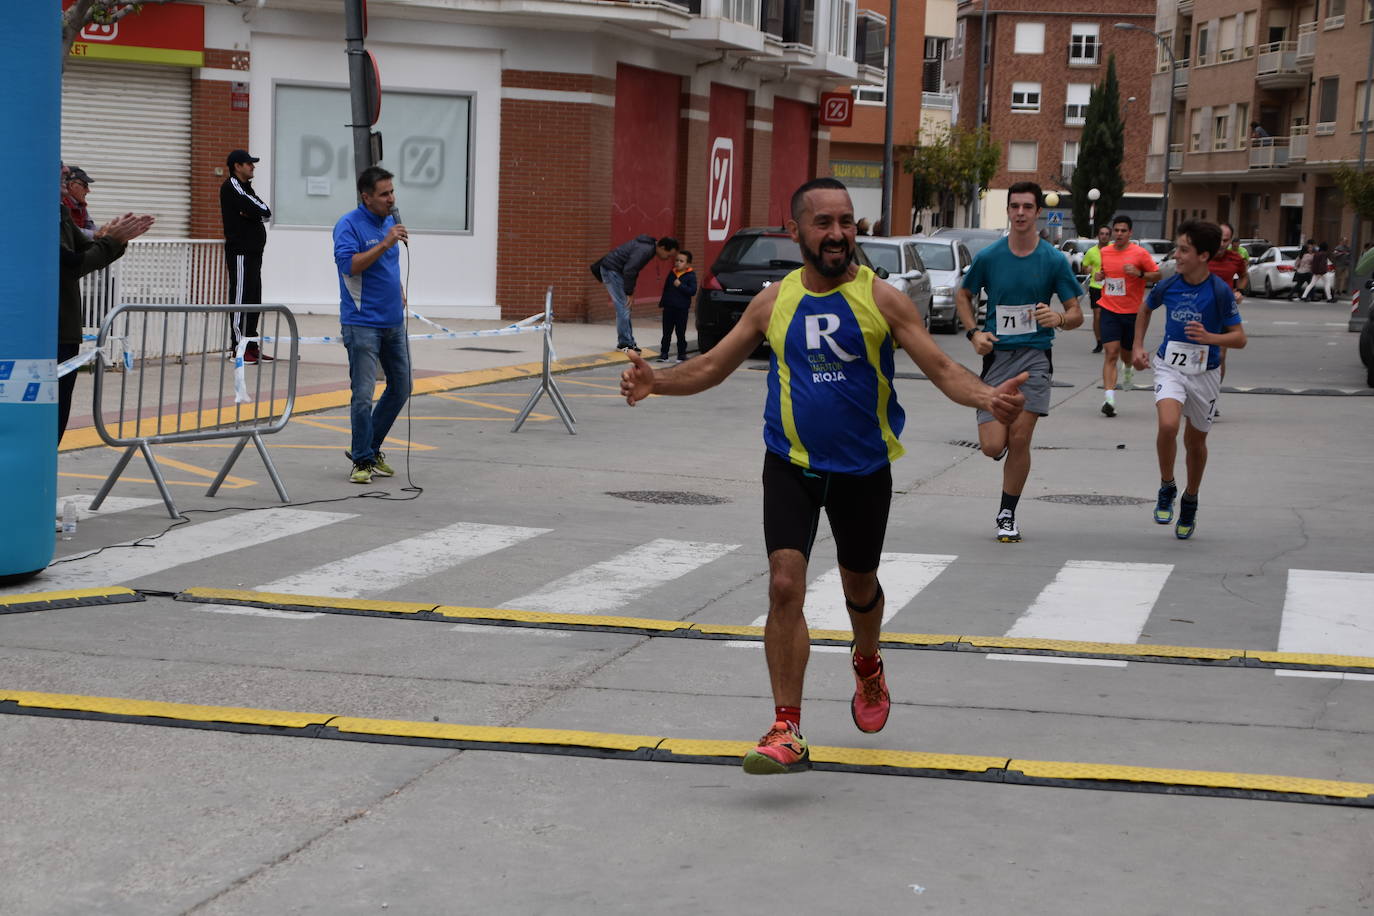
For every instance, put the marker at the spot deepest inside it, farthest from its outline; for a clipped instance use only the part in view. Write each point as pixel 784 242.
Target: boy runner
pixel 1126 268
pixel 1201 317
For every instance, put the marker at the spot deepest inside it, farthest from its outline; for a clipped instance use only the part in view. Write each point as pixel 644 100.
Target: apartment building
pixel 1296 68
pixel 1041 61
pixel 526 139
pixel 856 151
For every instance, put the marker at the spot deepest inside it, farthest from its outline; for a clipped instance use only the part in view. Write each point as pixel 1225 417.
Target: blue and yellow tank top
pixel 830 403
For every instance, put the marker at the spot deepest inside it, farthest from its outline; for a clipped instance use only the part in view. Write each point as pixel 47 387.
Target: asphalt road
pixel 119 817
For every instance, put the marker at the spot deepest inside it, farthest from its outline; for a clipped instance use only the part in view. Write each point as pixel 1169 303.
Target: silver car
pixel 948 259
pixel 900 260
pixel 1272 272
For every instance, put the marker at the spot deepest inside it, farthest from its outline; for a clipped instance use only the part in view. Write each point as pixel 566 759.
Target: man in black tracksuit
pixel 245 237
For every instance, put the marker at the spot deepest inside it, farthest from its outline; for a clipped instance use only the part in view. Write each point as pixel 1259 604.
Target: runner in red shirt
pixel 1232 265
pixel 1126 268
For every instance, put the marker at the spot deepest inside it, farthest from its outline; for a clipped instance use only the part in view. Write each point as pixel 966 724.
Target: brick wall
pixel 555 194
pixel 215 130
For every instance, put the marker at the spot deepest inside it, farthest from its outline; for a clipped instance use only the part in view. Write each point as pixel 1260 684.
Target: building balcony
pixel 1181 79
pixel 1276 66
pixel 789 28
pixel 1185 7
pixel 1154 163
pixel 1307 42
pixel 1324 128
pixel 938 101
pixel 1297 144
pixel 1075 115
pixel 1334 22
pixel 1272 152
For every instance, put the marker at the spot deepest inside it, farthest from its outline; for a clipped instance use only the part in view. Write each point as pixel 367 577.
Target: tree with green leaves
pixel 949 170
pixel 1100 154
pixel 1358 189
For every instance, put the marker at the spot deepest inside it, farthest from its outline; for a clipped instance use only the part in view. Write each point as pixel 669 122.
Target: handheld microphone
pixel 396 215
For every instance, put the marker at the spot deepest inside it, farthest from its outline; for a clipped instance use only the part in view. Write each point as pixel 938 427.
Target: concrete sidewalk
pixel 437 365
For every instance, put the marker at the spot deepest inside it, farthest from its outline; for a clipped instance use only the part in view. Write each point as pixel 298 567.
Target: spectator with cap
pixel 78 256
pixel 77 186
pixel 245 237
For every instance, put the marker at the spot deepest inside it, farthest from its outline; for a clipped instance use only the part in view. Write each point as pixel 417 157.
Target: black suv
pixel 750 260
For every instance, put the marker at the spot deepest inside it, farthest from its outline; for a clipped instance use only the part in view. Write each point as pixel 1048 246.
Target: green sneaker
pixel 362 473
pixel 1164 505
pixel 379 466
pixel 1187 520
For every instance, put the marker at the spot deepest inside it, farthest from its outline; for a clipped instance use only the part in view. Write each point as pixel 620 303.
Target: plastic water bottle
pixel 68 519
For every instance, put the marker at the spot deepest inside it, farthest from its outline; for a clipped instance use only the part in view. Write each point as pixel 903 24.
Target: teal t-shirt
pixel 1011 280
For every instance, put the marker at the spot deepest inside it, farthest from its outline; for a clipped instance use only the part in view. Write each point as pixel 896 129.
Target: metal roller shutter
pixel 129 127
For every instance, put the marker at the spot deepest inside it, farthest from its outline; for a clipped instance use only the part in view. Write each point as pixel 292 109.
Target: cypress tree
pixel 1100 154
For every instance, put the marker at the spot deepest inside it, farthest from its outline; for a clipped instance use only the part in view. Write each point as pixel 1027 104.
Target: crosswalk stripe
pixel 616 582
pixel 1328 612
pixel 1093 601
pixel 119 565
pixel 391 565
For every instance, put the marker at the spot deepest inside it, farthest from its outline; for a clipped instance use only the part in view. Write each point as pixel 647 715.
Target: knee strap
pixel 877 596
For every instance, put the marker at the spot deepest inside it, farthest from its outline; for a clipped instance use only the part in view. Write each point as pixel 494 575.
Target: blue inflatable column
pixel 31 74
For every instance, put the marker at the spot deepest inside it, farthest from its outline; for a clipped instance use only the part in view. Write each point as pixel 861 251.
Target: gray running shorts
pixel 1000 365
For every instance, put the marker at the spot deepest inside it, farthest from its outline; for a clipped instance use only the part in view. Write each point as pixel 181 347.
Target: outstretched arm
pixel 710 368
pixel 957 383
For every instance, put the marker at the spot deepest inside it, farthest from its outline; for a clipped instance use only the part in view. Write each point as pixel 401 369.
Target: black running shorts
pixel 857 508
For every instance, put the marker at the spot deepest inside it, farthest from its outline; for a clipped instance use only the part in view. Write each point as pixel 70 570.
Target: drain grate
pixel 669 497
pixel 1095 499
pixel 964 443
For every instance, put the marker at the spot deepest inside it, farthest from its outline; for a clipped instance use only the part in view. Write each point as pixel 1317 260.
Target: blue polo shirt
pixel 372 298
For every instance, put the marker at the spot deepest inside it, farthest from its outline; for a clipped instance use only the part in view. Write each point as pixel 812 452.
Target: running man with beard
pixel 1020 273
pixel 831 422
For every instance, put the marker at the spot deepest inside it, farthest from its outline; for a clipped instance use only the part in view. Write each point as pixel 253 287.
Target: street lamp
pixel 1093 195
pixel 1168 112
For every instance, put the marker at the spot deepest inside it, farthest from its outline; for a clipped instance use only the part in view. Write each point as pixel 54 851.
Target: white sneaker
pixel 1007 532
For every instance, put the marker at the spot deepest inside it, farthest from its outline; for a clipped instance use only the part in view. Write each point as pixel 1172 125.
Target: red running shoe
pixel 782 750
pixel 871 702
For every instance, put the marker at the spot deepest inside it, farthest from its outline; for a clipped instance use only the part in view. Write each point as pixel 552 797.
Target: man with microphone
pixel 372 318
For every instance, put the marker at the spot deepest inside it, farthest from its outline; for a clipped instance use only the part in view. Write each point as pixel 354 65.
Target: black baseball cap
pixel 241 155
pixel 77 173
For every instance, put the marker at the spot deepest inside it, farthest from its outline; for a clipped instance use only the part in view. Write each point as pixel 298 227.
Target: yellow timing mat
pixel 1008 770
pixel 81 597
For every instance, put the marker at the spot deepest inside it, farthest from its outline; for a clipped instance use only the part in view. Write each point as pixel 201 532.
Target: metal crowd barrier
pixel 180 388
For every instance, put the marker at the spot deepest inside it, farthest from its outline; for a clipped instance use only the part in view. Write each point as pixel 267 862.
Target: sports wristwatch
pixel 970 332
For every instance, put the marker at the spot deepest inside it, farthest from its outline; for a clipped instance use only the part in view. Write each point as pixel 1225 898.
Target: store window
pixel 427 145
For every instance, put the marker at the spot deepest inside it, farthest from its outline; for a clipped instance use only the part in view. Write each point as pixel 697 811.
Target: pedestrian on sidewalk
pixel 372 319
pixel 78 188
pixel 1021 273
pixel 619 270
pixel 679 289
pixel 1302 269
pixel 1322 272
pixel 1201 318
pixel 244 216
pixel 831 425
pixel 1340 259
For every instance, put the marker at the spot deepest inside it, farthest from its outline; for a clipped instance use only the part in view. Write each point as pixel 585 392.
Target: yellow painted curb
pixel 1254 782
pixel 483 734
pixel 115 706
pixel 284 601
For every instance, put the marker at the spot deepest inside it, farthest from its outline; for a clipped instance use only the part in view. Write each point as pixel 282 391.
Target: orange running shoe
pixel 782 750
pixel 871 702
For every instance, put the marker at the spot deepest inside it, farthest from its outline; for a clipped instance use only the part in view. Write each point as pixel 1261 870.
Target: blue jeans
pixel 615 285
pixel 367 349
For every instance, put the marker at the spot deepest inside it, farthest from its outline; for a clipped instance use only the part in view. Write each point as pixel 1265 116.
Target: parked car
pixel 1272 272
pixel 751 259
pixel 1075 249
pixel 1255 247
pixel 947 259
pixel 905 271
pixel 974 239
pixel 1168 266
pixel 1157 248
